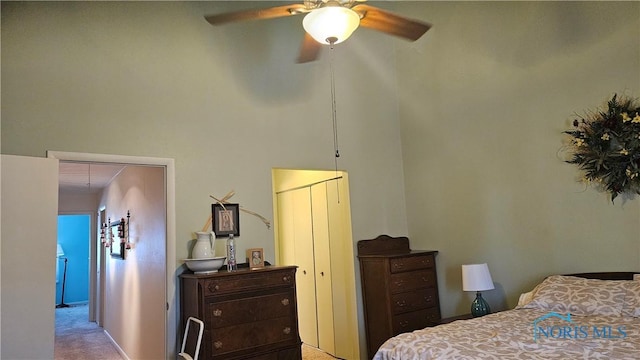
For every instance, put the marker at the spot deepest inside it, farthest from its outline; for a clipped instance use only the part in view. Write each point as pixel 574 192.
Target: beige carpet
pixel 311 353
pixel 78 339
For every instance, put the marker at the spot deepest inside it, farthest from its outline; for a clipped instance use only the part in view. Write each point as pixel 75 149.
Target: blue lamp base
pixel 479 307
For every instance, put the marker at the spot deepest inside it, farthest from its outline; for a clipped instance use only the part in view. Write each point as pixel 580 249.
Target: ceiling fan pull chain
pixel 333 108
pixel 335 121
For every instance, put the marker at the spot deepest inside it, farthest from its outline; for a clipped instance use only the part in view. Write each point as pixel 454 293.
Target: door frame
pixel 171 318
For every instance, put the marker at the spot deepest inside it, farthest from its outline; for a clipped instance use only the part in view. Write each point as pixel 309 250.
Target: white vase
pixel 203 249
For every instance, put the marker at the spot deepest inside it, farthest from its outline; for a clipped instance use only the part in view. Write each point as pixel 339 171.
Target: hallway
pixel 78 339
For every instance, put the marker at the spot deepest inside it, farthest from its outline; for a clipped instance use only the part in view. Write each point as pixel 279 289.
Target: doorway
pixel 312 221
pixel 167 312
pixel 72 270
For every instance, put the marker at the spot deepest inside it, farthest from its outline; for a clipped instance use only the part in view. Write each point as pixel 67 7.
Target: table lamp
pixel 476 277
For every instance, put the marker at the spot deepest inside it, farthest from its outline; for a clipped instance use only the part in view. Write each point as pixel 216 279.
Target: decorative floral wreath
pixel 606 147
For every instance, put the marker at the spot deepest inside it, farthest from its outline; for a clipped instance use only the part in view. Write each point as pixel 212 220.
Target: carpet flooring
pixel 78 339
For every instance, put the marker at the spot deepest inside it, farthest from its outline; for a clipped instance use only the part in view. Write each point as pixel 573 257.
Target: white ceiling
pixel 77 177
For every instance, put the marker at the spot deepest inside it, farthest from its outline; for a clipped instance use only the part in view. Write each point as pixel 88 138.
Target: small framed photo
pixel 255 258
pixel 226 220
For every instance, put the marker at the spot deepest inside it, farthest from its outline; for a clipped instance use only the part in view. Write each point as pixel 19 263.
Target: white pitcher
pixel 203 249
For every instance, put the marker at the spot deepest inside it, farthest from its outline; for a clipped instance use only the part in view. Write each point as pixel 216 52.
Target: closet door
pixel 304 258
pixel 342 269
pixel 322 258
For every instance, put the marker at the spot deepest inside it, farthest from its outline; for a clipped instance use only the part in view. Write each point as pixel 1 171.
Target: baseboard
pixel 120 351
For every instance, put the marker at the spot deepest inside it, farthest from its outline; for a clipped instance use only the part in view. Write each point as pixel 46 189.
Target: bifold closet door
pixel 306 274
pixel 322 259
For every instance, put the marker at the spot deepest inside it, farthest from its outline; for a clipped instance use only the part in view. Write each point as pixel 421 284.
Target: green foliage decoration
pixel 605 145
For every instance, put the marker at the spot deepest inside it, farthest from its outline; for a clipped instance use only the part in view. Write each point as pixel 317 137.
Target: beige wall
pixel 135 288
pixel 227 103
pixel 483 106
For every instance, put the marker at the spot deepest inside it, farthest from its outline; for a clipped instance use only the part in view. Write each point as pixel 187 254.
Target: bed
pixel 579 316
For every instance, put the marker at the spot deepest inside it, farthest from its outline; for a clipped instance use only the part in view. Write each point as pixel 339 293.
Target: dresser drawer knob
pixel 401 303
pixel 399 283
pixel 217 312
pixel 214 288
pixel 217 344
pixel 404 323
pixel 398 265
pixel 285 302
pixel 286 278
pixel 286 330
pixel 428 298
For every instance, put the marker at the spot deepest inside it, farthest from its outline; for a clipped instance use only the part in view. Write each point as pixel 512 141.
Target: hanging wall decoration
pixel 223 202
pixel 605 145
pixel 119 237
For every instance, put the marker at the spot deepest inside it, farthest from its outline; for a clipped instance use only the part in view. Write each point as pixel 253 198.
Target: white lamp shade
pixel 476 277
pixel 59 251
pixel 331 22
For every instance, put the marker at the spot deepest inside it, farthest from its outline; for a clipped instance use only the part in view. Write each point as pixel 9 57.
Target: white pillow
pixel 579 296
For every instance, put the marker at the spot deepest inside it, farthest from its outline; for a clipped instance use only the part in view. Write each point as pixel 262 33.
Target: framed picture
pixel 226 220
pixel 117 239
pixel 255 258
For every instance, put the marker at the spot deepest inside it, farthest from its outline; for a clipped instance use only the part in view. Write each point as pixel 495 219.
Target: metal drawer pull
pixel 285 302
pixel 286 278
pixel 214 288
pixel 399 283
pixel 398 265
pixel 404 323
pixel 286 330
pixel 217 344
pixel 428 298
pixel 217 312
pixel 401 303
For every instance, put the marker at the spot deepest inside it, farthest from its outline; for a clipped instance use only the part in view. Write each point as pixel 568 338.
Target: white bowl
pixel 205 266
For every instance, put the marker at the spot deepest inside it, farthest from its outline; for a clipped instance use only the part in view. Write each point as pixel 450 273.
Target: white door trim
pixel 171 318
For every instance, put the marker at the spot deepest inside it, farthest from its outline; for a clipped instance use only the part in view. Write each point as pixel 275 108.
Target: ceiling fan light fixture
pixel 331 24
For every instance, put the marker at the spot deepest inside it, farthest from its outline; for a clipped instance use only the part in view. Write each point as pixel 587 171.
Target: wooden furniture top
pixel 385 245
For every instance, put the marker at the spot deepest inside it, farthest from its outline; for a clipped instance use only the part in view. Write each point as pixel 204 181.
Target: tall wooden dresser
pixel 399 288
pixel 247 314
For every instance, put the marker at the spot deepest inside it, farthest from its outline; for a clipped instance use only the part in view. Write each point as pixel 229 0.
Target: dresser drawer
pixel 406 281
pixel 415 320
pixel 257 280
pixel 247 310
pixel 253 335
pixel 411 263
pixel 414 300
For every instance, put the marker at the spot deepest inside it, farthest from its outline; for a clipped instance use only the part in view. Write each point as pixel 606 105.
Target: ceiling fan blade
pixel 390 23
pixel 256 14
pixel 309 50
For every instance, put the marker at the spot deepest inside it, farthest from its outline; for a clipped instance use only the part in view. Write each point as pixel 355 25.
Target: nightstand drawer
pixel 253 335
pixel 412 263
pixel 258 280
pixel 415 320
pixel 406 281
pixel 247 310
pixel 416 300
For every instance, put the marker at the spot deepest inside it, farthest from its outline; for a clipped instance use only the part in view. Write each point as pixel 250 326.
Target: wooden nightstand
pixel 454 318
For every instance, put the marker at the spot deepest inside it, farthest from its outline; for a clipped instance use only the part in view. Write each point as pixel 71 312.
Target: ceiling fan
pixel 331 22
